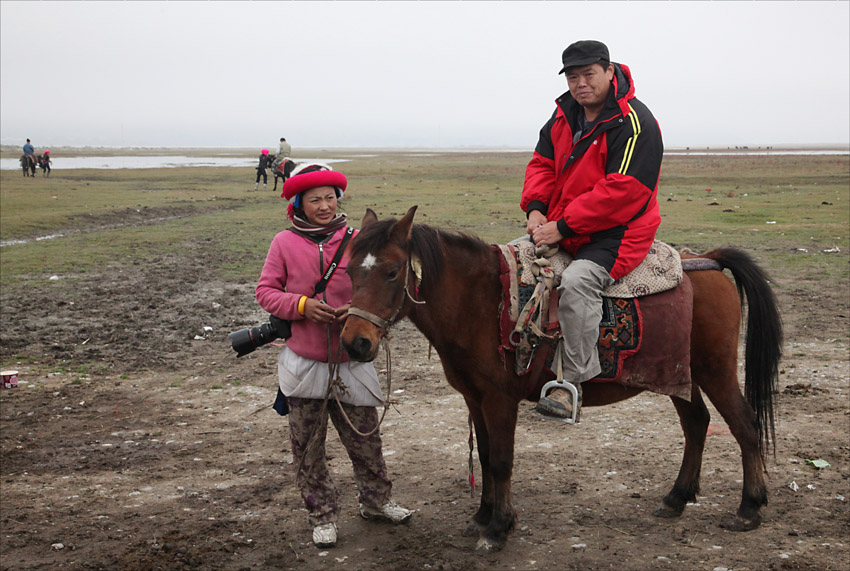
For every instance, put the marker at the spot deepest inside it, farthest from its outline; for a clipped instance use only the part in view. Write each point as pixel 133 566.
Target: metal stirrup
pixel 564 384
pixel 561 383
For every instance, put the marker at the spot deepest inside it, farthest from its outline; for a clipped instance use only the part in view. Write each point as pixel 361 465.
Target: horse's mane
pixel 431 245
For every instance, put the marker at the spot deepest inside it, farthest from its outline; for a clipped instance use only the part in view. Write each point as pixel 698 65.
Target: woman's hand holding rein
pixel 320 312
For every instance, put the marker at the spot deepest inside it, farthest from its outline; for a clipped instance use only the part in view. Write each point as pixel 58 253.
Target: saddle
pixel 529 316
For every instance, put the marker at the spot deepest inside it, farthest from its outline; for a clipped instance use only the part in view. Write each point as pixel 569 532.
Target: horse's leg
pixel 726 397
pixel 714 367
pixel 500 415
pixel 694 417
pixel 482 517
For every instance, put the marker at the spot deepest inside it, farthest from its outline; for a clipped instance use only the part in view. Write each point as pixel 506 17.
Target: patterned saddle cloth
pixel 620 330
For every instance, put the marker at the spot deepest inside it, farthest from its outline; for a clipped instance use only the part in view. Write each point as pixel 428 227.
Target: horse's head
pixel 380 272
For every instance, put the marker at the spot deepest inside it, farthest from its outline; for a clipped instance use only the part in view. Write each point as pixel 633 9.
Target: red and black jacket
pixel 601 186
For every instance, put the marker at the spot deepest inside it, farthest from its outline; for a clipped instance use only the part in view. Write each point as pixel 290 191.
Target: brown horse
pixel 461 292
pixel 283 171
pixel 28 165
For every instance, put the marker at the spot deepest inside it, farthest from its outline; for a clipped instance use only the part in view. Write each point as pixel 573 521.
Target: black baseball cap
pixel 584 52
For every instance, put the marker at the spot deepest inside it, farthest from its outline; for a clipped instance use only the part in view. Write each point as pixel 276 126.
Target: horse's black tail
pixel 763 347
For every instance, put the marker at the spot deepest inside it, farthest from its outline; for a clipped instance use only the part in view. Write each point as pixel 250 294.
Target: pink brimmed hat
pixel 299 182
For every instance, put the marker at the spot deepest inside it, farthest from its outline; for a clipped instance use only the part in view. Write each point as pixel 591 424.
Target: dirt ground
pixel 165 455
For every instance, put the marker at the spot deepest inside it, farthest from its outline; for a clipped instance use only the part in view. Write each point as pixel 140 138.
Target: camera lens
pixel 245 341
pixel 263 334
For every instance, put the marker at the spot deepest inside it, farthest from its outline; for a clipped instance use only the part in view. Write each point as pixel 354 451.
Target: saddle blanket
pixel 659 271
pixel 621 328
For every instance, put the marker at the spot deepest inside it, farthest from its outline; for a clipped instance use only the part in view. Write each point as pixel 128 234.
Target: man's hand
pixel 535 220
pixel 548 233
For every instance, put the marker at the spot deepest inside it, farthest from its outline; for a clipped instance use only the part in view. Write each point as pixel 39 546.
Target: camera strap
pixel 323 283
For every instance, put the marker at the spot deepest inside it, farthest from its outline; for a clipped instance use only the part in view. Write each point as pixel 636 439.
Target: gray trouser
pixel 579 314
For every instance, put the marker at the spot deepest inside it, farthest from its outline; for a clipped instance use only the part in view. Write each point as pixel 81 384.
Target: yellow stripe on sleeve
pixel 630 144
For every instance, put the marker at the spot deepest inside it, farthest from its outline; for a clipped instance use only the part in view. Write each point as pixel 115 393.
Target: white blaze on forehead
pixel 369 262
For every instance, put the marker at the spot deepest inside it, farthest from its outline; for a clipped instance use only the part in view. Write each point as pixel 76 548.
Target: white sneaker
pixel 390 511
pixel 324 535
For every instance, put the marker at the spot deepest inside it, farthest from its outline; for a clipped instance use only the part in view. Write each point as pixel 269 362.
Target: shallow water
pixel 151 162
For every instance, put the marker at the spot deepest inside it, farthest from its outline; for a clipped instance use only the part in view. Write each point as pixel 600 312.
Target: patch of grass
pixel 121 216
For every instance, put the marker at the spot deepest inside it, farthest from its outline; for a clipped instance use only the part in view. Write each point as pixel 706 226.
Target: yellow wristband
pixel 302 304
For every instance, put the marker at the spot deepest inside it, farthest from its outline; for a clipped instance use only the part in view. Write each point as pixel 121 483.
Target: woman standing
pixel 296 261
pixel 262 165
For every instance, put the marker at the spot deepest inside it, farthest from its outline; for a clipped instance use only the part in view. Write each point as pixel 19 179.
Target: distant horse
pixel 44 164
pixel 396 265
pixel 28 165
pixel 283 171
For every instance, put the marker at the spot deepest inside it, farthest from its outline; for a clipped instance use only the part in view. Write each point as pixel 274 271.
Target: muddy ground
pixel 132 444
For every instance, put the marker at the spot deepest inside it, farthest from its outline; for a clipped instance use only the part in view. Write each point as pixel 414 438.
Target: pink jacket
pixel 293 266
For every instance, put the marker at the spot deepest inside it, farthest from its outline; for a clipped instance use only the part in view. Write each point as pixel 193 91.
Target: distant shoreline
pixel 10 151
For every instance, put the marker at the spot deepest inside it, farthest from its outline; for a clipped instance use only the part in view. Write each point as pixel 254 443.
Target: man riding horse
pixel 591 189
pixel 28 161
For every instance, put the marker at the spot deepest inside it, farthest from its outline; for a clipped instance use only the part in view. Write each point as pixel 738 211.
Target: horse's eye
pixel 392 276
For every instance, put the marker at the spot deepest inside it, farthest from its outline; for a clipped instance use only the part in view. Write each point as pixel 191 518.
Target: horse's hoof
pixel 667 512
pixel 486 545
pixel 472 530
pixel 739 523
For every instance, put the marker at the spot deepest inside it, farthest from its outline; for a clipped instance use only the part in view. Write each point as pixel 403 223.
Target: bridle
pixel 385 324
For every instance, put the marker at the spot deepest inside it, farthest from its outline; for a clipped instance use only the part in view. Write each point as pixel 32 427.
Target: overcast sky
pixel 411 74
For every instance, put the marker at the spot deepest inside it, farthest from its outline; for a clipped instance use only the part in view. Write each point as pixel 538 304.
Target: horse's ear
pixel 368 218
pixel 403 228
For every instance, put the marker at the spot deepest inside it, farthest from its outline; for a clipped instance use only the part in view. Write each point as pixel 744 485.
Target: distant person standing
pixel 44 162
pixel 284 151
pixel 261 169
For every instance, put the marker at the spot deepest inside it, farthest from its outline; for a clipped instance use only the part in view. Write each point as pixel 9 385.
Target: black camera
pixel 245 341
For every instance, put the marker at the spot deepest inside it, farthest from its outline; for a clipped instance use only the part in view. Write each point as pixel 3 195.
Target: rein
pixel 334 380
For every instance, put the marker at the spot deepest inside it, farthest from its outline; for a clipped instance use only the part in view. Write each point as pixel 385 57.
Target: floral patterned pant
pixel 308 429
